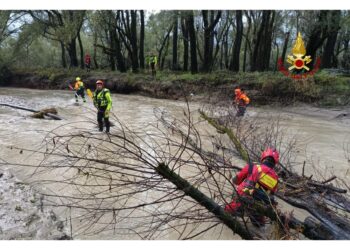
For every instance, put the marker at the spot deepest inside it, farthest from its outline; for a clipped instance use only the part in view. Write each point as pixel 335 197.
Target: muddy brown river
pixel 323 134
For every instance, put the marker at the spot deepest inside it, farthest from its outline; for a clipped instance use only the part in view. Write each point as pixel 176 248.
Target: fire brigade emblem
pixel 298 60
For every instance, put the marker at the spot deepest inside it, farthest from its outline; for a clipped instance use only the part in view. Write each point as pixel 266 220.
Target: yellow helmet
pixel 78 78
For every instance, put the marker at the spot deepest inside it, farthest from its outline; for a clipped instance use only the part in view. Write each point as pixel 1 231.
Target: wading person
pixel 103 103
pixel 79 89
pixel 256 182
pixel 241 101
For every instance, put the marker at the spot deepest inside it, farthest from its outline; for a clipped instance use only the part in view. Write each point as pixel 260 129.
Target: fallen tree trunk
pixel 314 230
pixel 44 112
pixel 338 226
pixel 205 201
pixel 304 193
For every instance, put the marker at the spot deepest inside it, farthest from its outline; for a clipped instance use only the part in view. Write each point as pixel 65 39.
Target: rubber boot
pixel 107 126
pixel 100 126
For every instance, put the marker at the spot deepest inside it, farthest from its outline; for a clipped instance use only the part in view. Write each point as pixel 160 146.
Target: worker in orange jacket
pixel 241 101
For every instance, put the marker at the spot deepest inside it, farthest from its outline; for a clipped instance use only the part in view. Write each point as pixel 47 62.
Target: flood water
pixel 324 134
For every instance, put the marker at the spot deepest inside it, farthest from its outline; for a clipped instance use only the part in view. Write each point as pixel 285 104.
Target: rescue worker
pixel 103 103
pixel 153 63
pixel 256 182
pixel 241 101
pixel 79 89
pixel 87 62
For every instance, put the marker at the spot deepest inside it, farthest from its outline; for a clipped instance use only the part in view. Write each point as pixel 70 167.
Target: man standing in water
pixel 241 101
pixel 103 103
pixel 79 89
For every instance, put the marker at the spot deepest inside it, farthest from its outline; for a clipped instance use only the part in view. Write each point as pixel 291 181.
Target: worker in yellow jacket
pixel 79 89
pixel 103 102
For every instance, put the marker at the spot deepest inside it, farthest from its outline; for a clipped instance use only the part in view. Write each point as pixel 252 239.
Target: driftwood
pixel 313 196
pixel 310 227
pixel 51 112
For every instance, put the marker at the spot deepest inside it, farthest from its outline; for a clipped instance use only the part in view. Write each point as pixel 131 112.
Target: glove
pixel 248 191
pixel 106 113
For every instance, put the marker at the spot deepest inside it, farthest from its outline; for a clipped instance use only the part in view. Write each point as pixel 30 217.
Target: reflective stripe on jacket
pixel 102 99
pixel 261 177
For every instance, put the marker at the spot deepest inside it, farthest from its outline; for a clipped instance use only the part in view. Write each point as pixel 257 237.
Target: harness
pixel 265 182
pixel 101 100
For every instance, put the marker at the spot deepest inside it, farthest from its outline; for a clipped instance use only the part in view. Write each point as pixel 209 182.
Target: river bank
pixel 264 88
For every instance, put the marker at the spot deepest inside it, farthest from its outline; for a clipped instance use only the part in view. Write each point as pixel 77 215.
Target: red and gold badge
pixel 298 59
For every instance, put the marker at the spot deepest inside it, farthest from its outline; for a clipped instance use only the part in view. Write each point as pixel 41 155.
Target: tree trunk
pixel 185 42
pixel 163 45
pixel 111 45
pixel 142 40
pixel 193 42
pixel 175 32
pixel 328 52
pixel 119 56
pixel 162 59
pixel 317 37
pixel 82 65
pixel 133 41
pixel 263 42
pixel 209 38
pixel 238 41
pixel 246 41
pixel 95 54
pixel 72 52
pixel 277 54
pixel 285 46
pixel 204 200
pixel 63 55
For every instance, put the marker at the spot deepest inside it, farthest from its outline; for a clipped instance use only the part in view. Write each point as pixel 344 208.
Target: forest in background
pixel 183 40
pixel 193 46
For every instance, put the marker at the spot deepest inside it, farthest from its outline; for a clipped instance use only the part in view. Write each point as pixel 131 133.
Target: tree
pixel 263 42
pixel 175 35
pixel 62 26
pixel 317 36
pixel 328 58
pixel 185 39
pixel 142 39
pixel 209 28
pixel 127 29
pixel 238 40
pixel 193 41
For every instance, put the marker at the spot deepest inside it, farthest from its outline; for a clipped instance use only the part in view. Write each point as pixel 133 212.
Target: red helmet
pixel 272 153
pixel 99 82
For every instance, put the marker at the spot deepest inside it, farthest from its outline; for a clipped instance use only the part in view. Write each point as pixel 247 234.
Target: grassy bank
pixel 324 89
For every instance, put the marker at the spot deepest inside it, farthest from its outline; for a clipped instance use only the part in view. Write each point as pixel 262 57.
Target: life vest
pixel 78 85
pixel 242 100
pixel 263 178
pixel 153 60
pixel 102 98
